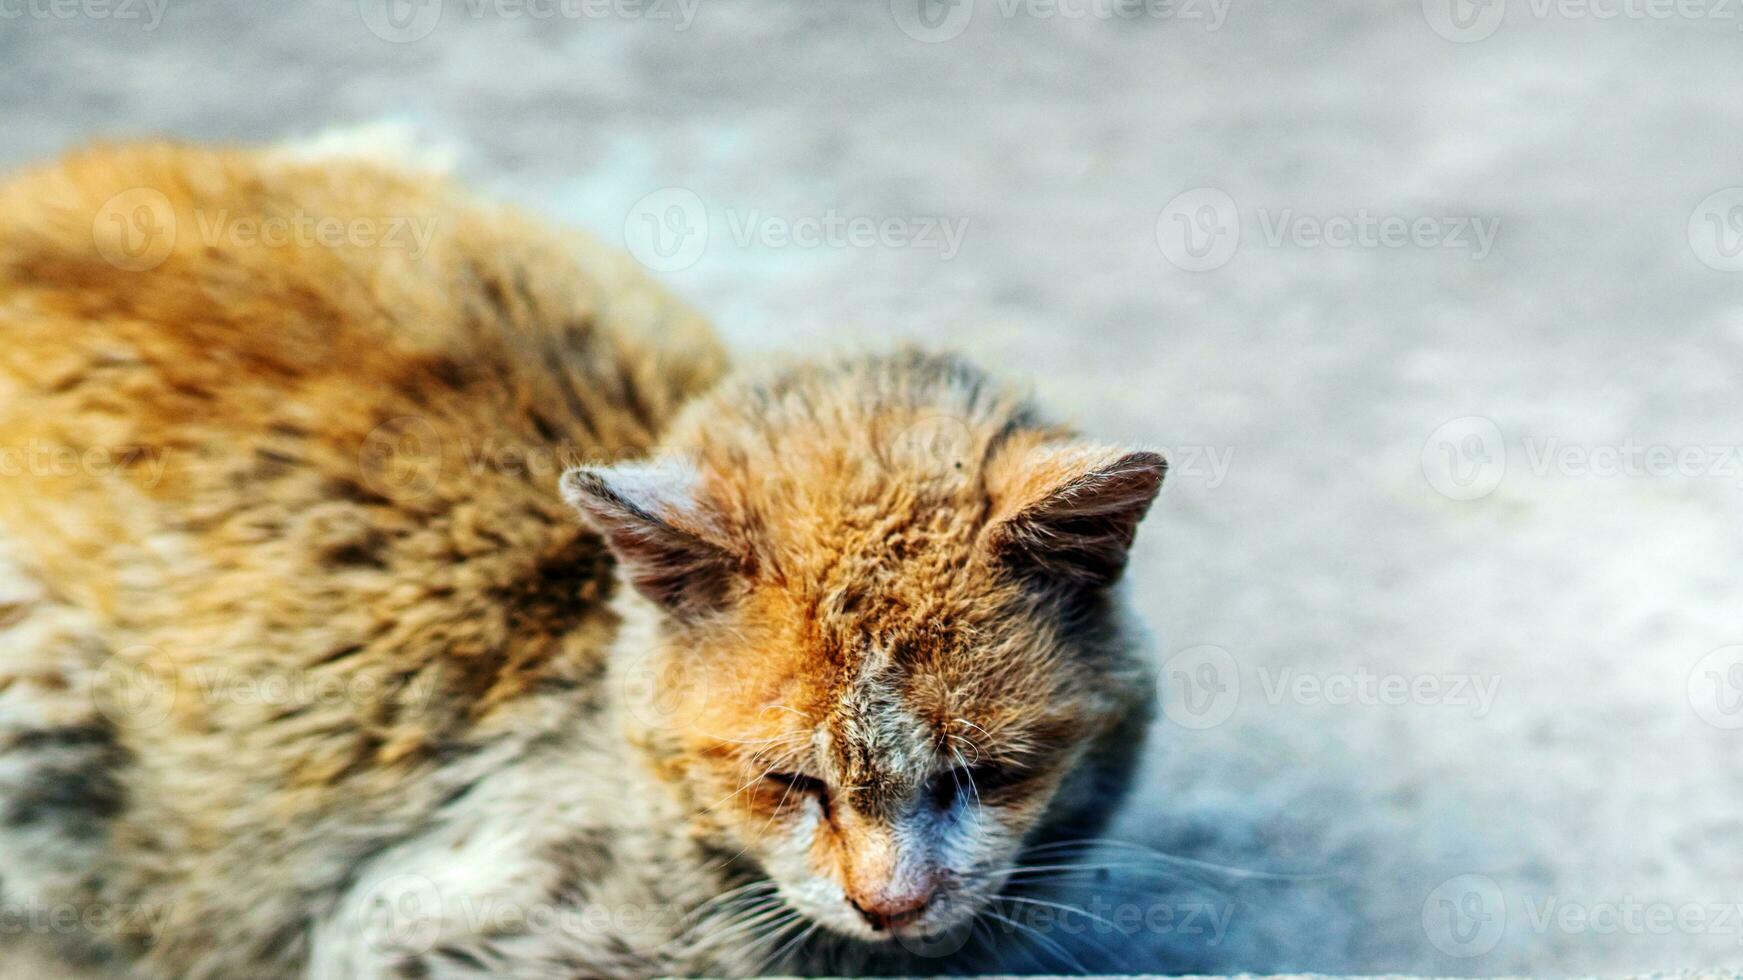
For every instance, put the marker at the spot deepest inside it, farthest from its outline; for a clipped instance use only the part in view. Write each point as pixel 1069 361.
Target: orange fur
pixel 275 545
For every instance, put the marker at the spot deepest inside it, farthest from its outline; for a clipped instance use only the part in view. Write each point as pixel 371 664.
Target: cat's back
pixel 279 440
pixel 212 355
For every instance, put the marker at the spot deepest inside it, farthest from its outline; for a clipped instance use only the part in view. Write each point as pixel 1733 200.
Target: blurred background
pixel 1437 306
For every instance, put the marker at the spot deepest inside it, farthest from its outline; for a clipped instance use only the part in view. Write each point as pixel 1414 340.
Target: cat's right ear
pixel 1068 514
pixel 650 517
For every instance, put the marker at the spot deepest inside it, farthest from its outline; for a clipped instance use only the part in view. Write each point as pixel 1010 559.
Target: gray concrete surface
pixel 1477 736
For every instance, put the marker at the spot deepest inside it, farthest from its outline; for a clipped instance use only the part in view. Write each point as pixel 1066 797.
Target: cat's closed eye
pixel 799 784
pixel 970 782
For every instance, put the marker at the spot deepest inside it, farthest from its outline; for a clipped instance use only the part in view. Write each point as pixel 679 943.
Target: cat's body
pixel 307 668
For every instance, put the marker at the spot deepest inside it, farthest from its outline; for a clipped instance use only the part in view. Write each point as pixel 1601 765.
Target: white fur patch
pixel 663 487
pixel 395 145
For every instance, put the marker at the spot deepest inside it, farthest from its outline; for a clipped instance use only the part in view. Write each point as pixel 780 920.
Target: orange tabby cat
pixel 308 669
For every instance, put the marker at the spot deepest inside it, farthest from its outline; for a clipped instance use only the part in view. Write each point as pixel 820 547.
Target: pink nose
pixel 890 911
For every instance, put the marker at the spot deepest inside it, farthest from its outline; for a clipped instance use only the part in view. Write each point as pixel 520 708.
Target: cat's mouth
pixel 943 928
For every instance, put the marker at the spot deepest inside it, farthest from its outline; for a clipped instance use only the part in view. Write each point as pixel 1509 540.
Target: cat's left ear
pixel 652 519
pixel 1069 514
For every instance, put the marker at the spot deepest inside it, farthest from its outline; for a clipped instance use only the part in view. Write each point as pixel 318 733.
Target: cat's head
pixel 870 640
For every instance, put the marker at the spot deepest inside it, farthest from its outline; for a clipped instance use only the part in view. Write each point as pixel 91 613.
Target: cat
pixel 445 607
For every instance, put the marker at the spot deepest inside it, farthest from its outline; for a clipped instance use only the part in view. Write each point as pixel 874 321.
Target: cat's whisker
pixel 1124 962
pixel 1040 936
pixel 1161 857
pixel 763 937
pixel 779 807
pixel 1037 874
pixel 969 724
pixel 715 912
pixel 963 766
pixel 752 919
pixel 732 795
pixel 732 894
pixel 774 959
pixel 748 921
pixel 1059 906
pixel 771 937
pixel 712 929
pixel 978 754
pixel 977 926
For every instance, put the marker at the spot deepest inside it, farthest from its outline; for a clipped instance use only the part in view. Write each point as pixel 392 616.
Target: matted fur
pixel 306 667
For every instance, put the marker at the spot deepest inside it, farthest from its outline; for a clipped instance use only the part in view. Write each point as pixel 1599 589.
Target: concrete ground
pixel 1436 304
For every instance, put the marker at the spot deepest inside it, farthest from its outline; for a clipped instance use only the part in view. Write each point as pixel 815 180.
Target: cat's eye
pixel 971 783
pixel 798 784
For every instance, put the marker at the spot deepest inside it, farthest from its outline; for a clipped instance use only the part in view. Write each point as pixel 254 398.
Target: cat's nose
pixel 891 911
